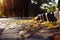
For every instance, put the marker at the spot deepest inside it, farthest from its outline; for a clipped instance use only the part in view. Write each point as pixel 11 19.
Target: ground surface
pixel 10 28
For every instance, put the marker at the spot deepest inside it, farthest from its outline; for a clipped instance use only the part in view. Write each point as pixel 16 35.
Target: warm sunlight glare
pixel 1 1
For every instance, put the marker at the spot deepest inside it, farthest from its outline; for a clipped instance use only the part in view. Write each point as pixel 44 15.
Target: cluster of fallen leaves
pixel 47 24
pixel 36 24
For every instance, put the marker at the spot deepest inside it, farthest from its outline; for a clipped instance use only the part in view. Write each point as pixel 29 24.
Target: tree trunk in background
pixel 18 7
pixel 7 8
pixel 26 7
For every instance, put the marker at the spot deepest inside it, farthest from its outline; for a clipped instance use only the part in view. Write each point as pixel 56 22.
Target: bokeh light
pixel 1 1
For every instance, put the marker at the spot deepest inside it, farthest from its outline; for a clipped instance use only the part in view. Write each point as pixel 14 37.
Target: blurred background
pixel 27 8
